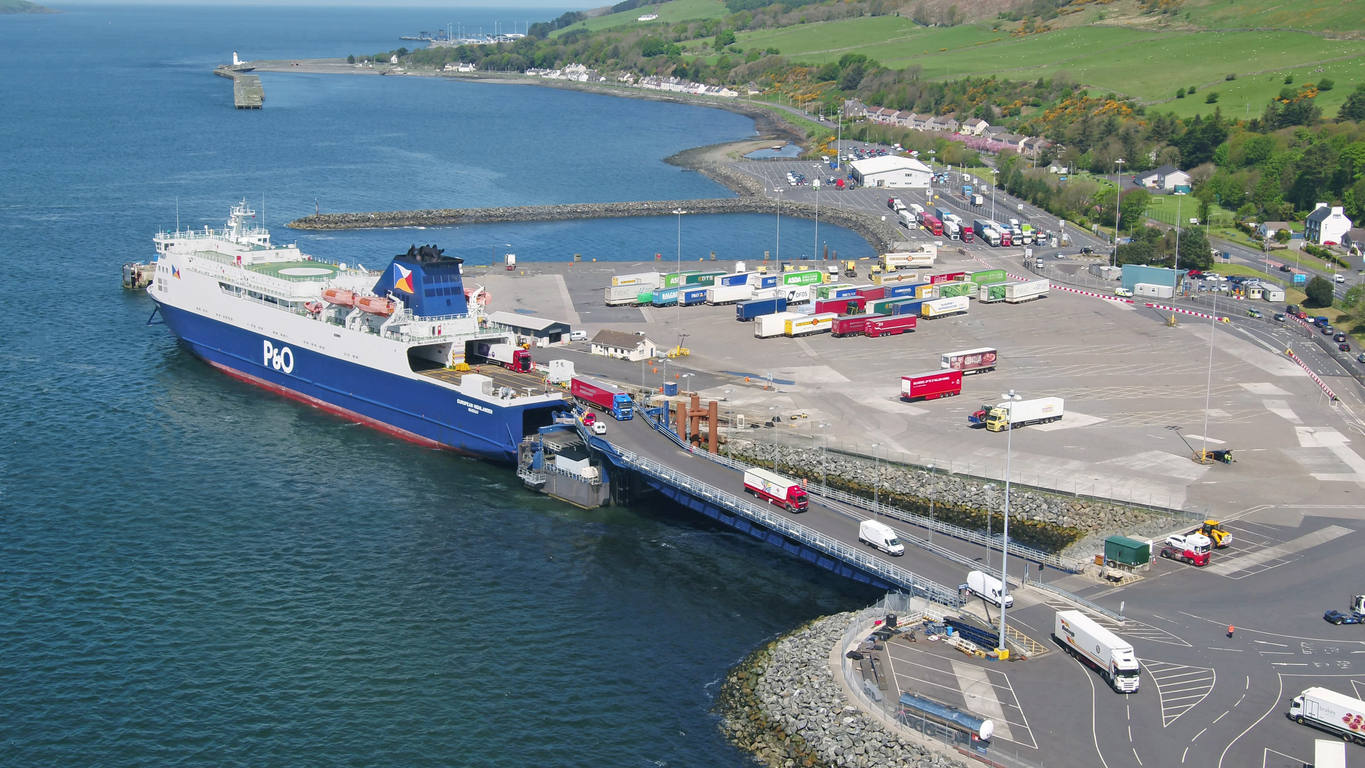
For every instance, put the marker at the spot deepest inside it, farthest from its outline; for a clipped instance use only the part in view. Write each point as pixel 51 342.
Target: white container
pixel 1152 291
pixel 1027 291
pixel 984 585
pixel 880 535
pixel 952 305
pixel 768 326
pixel 728 294
pixel 647 279
pixel 1084 638
pixel 560 371
pixel 808 324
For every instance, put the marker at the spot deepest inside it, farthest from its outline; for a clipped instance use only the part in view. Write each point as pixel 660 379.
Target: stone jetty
pixel 783 705
pixel 879 233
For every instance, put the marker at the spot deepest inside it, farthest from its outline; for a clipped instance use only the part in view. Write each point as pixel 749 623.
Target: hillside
pixel 22 6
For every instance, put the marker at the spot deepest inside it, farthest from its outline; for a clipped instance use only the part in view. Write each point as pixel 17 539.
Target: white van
pixel 880 535
pixel 989 587
pixel 578 335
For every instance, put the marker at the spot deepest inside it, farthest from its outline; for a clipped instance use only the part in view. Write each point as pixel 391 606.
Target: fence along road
pixel 821 527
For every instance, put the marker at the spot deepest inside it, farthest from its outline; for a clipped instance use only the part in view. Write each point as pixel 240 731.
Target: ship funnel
pixel 427 281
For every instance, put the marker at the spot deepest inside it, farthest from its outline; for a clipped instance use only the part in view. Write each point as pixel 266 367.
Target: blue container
pixel 767 281
pixel 665 297
pixel 748 310
pixel 694 296
pixel 670 388
pixel 844 293
pixel 903 289
pixel 907 307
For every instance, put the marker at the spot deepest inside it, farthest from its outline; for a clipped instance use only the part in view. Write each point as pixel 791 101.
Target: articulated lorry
pixel 970 360
pixel 924 257
pixel 889 325
pixel 509 356
pixel 1018 293
pixel 935 308
pixel 852 325
pixel 1336 713
pixel 776 489
pixel 603 397
pixel 749 310
pixel 1085 639
pixel 805 325
pixel 1021 413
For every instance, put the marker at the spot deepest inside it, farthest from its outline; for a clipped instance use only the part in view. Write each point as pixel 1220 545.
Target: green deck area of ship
pixel 297 270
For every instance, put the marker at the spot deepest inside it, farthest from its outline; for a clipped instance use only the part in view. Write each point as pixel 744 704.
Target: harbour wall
pixel 882 235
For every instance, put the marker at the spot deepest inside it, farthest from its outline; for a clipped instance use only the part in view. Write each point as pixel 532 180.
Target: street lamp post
pixel 824 456
pixel 778 199
pixel 931 503
pixel 1178 202
pixel 679 212
pixel 816 184
pixel 1118 189
pixel 877 487
pixel 1005 537
pixel 994 173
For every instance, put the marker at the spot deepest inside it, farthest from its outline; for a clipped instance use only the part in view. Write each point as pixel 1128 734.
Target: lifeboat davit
pixel 339 296
pixel 375 305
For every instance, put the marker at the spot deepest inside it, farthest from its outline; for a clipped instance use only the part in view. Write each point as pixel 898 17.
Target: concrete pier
pixel 881 234
pixel 247 92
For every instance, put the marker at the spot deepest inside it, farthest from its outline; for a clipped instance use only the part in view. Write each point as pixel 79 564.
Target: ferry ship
pixel 407 350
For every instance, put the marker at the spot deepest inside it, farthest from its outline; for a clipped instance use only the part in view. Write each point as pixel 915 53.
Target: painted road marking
pixel 980 696
pixel 1180 687
pixel 1277 552
pixel 1141 631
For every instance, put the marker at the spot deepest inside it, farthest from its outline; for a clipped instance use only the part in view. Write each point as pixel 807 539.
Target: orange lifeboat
pixel 339 296
pixel 375 305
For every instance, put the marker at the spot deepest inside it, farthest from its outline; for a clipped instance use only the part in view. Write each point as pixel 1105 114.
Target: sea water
pixel 196 572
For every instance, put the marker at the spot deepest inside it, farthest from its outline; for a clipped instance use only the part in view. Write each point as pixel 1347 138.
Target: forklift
pixel 1214 529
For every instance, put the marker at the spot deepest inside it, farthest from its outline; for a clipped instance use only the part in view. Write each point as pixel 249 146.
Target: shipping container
pixel 768 326
pixel 935 308
pixel 949 290
pixel 1125 551
pixel 827 290
pixel 1085 639
pixel 761 281
pixel 850 325
pixel 872 293
pixel 885 306
pixel 844 292
pixel 704 277
pixel 1017 293
pixel 890 326
pixel 946 277
pixel 889 279
pixel 665 297
pixel 749 310
pixel 625 294
pixel 808 324
pixel 931 386
pixel 738 278
pixel 970 360
pixel 845 306
pixel 907 307
pixel 694 296
pixel 989 276
pixel 989 294
pixel 647 279
pixel 903 289
pixel 909 259
pixel 1150 291
pixel 728 294
pixel 803 277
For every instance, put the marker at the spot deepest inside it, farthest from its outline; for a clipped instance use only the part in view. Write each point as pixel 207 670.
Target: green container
pixel 827 290
pixel 946 290
pixel 986 277
pixel 993 293
pixel 702 278
pixel 1126 551
pixel 675 279
pixel 803 277
pixel 884 306
pixel 645 298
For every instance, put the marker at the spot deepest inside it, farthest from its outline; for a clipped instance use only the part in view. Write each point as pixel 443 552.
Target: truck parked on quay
pixel 970 361
pixel 1085 639
pixel 852 325
pixel 805 325
pixel 924 257
pixel 1021 413
pixel 936 308
pixel 776 489
pixel 603 397
pixel 1336 713
pixel 889 326
pixel 769 326
pixel 728 294
pixel 748 310
pixel 1018 293
pixel 931 386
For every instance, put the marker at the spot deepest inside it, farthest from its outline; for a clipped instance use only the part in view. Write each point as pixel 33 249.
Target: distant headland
pixel 23 6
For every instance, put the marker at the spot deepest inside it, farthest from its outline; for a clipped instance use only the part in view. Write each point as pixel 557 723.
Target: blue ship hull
pixel 423 412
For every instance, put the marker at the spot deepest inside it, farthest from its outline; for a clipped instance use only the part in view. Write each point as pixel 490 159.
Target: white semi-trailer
pixel 1085 639
pixel 1336 713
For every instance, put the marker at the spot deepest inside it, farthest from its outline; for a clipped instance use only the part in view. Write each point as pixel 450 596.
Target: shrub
pixel 1212 98
pixel 350 59
pixel 1319 292
pixel 1326 84
pixel 1180 93
pixel 1230 78
pixel 1289 80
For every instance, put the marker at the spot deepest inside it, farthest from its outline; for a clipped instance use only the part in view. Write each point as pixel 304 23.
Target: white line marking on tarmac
pixel 1094 735
pixel 1275 702
pixel 1276 653
pixel 1267 642
pixel 1230 650
pixel 1197 735
pixel 1135 756
pixel 1183 754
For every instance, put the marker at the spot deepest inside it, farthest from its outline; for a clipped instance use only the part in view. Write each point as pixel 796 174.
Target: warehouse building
pixel 538 331
pixel 891 172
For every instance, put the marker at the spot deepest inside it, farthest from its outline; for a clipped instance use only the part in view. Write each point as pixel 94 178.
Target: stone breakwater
pixel 783 705
pixel 1058 521
pixel 878 233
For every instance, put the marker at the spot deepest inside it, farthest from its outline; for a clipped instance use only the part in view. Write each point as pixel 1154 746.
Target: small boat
pixel 339 296
pixel 375 305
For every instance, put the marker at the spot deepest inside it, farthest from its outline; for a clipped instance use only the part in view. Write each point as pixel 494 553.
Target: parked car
pixel 1279 316
pixel 1339 278
pixel 578 335
pixel 1123 292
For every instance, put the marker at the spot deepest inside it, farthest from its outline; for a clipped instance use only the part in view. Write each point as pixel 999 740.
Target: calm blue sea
pixel 193 572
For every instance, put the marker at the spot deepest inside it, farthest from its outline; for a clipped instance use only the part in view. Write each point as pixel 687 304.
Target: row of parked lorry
pixel 692 287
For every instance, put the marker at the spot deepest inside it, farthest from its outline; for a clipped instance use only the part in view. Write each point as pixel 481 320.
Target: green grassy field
pixel 669 13
pixel 1320 15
